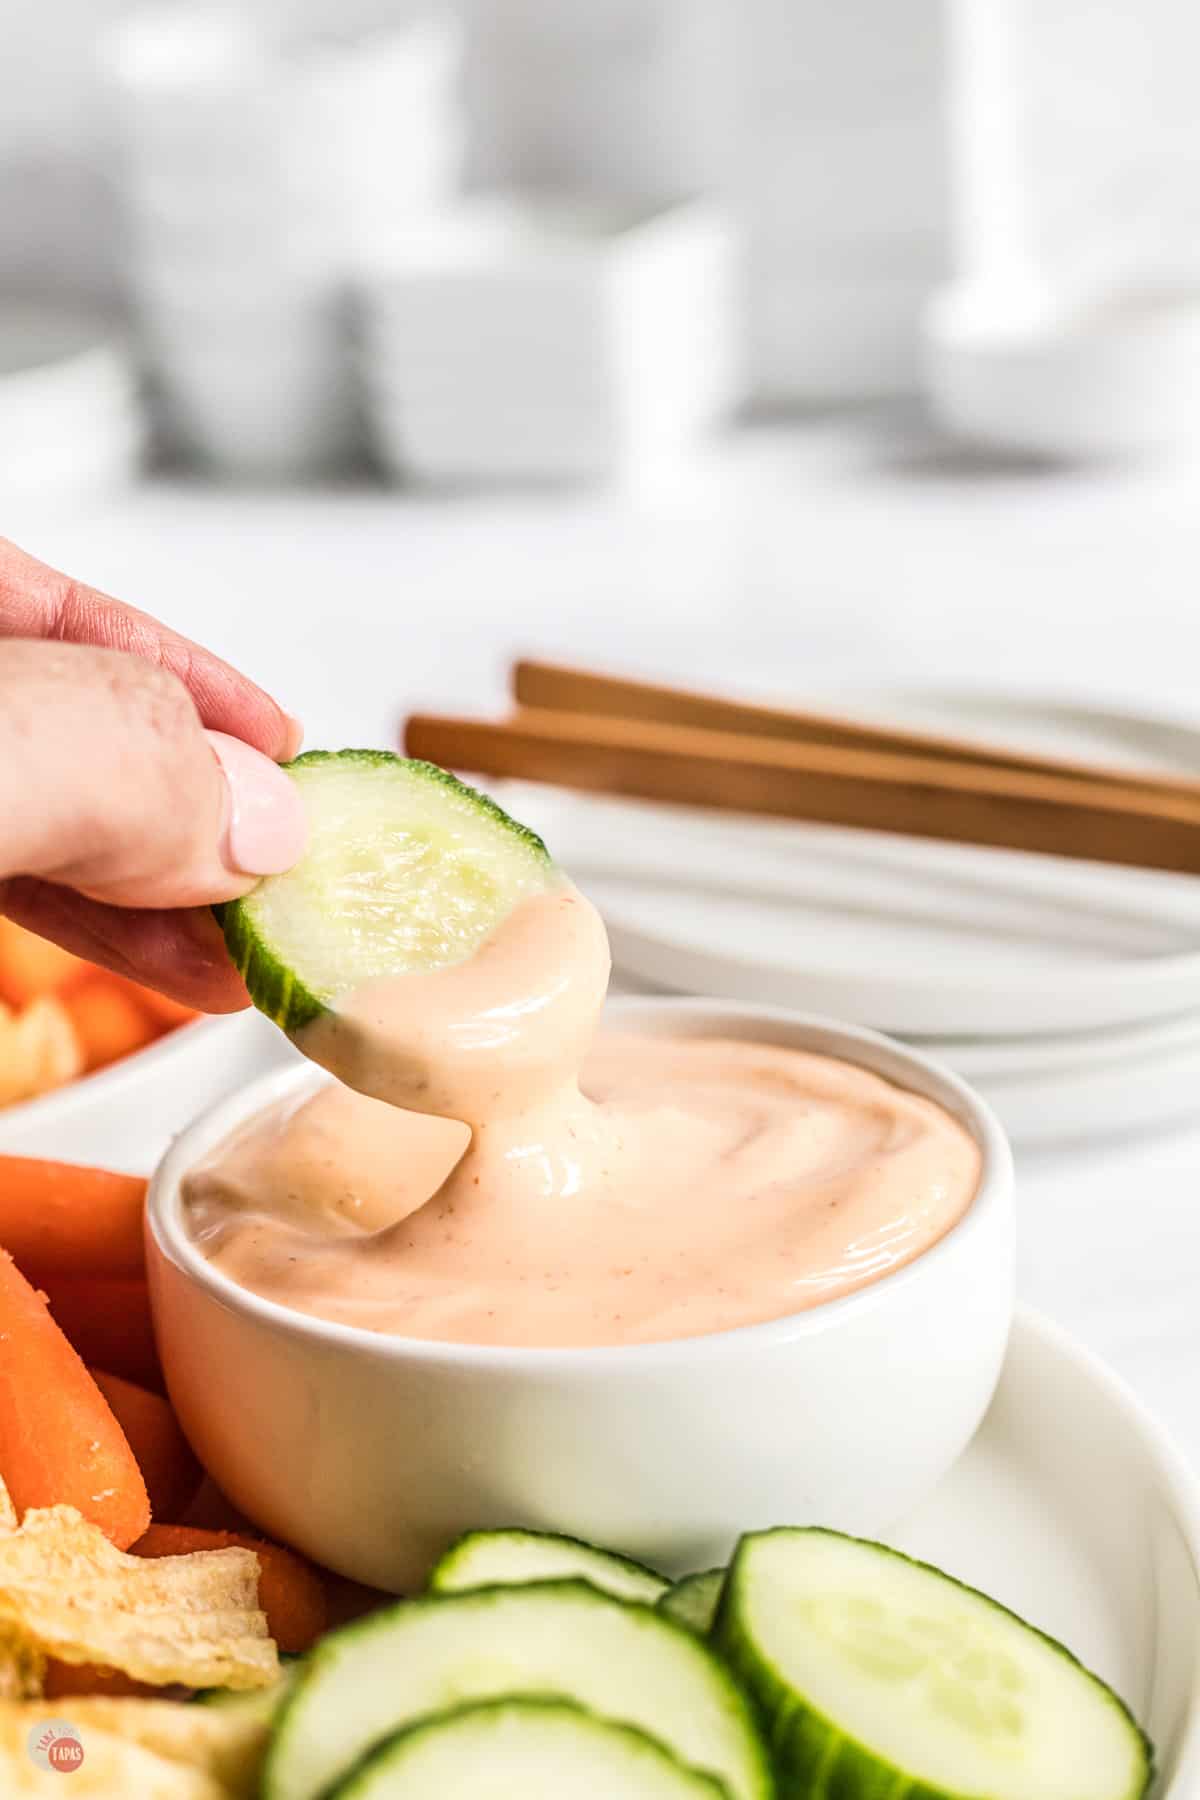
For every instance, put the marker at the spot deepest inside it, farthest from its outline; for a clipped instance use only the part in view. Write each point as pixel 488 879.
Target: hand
pixel 138 785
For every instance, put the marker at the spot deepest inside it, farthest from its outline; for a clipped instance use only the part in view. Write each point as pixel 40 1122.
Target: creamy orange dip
pixel 515 1182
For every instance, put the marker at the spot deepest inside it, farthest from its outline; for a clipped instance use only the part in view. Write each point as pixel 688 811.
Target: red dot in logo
pixel 65 1754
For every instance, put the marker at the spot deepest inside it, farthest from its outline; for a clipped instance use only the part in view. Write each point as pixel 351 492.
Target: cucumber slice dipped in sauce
pixel 526 1748
pixel 879 1676
pixel 426 948
pixel 407 870
pixel 508 1558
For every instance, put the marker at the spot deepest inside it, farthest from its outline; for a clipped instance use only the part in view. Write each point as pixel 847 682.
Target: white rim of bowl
pixel 885 1056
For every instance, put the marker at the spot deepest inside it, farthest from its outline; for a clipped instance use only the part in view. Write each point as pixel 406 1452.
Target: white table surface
pixel 852 548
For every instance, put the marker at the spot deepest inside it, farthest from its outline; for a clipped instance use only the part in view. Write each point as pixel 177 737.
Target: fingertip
pixel 266 827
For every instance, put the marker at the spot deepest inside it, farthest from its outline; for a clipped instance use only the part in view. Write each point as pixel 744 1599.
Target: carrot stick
pixel 108 1021
pixel 211 1511
pixel 347 1600
pixel 170 1471
pixel 108 1322
pixel 59 1442
pixel 167 1011
pixel 69 1679
pixel 59 1219
pixel 289 1588
pixel 31 965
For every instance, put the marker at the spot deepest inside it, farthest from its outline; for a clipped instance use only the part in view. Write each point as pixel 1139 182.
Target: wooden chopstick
pixel 1098 819
pixel 557 688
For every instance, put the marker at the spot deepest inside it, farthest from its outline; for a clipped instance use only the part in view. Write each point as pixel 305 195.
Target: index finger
pixel 39 602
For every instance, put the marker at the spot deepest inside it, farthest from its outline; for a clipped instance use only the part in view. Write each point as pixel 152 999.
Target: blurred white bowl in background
pixel 1025 374
pixel 70 411
pixel 159 51
pixel 263 405
pixel 534 340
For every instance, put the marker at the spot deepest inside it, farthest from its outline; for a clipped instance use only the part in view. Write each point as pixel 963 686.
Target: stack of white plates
pixel 254 168
pixel 70 420
pixel 1068 993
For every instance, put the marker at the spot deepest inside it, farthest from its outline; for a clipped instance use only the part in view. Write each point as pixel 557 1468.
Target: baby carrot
pixel 347 1600
pixel 31 965
pixel 108 1322
pixel 109 1023
pixel 60 1219
pixel 59 1442
pixel 70 1679
pixel 289 1588
pixel 170 1471
pixel 167 1011
pixel 213 1511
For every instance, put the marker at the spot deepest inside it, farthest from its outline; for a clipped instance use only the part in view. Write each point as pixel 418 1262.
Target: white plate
pixel 935 940
pixel 1083 1084
pixel 1140 1097
pixel 1073 1508
pixel 125 1116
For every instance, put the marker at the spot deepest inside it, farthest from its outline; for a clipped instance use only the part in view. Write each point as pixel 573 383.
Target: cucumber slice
pixel 509 1558
pixel 880 1676
pixel 406 870
pixel 623 1661
pixel 505 1748
pixel 694 1600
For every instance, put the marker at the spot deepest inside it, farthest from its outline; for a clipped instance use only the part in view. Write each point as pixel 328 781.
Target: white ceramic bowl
pixel 370 1452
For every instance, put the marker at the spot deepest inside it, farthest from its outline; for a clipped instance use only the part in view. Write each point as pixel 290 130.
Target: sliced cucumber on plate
pixel 694 1600
pixel 879 1676
pixel 623 1661
pixel 505 1558
pixel 407 870
pixel 524 1749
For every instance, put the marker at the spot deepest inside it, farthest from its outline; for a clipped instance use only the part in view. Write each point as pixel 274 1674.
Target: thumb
pixel 110 785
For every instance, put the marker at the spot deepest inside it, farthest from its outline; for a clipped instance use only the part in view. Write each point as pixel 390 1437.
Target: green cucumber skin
pixel 351 1784
pixel 441 1575
pixel 813 1760
pixel 413 765
pixel 694 1599
pixel 274 988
